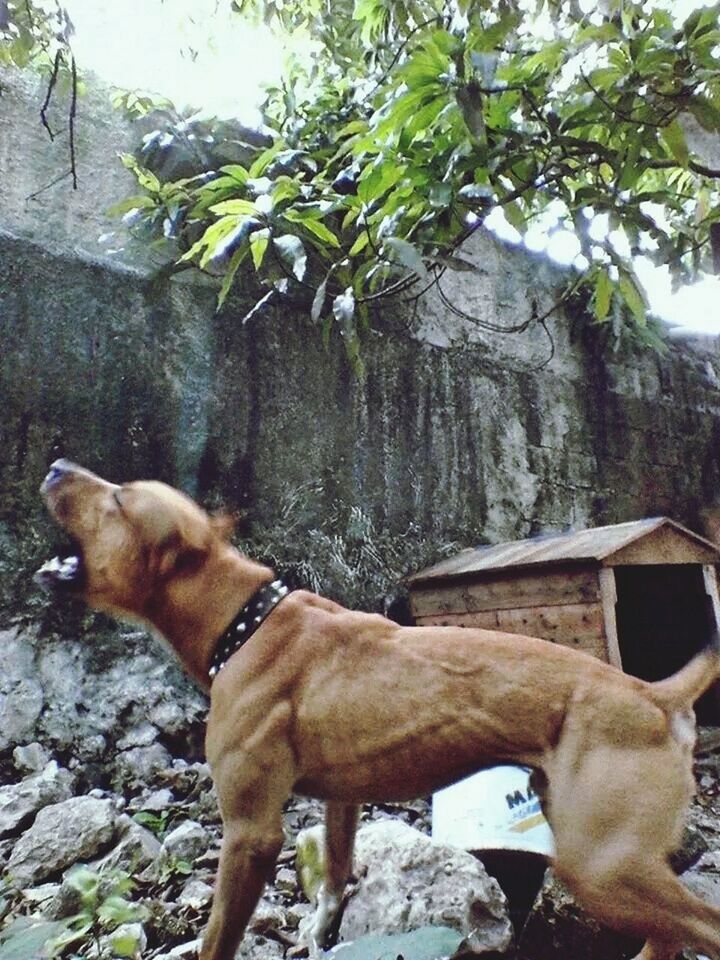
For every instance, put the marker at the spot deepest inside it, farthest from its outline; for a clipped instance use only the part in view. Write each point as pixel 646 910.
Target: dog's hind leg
pixel 340 823
pixel 616 815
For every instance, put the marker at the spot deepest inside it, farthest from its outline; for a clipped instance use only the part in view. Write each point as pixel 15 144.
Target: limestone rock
pixel 19 802
pixel 62 834
pixel 186 842
pixel 408 881
pixel 141 765
pixel 196 894
pixel 31 758
pixel 136 849
pixel 21 693
pixel 705 885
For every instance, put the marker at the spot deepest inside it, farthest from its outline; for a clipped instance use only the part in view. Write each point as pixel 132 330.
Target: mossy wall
pixel 462 433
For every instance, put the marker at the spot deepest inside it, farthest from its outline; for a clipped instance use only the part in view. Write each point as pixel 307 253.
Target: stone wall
pixel 457 432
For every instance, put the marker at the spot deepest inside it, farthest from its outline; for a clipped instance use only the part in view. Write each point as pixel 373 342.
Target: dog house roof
pixel 600 545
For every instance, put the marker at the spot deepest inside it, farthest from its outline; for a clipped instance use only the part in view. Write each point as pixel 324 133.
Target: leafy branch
pixel 419 118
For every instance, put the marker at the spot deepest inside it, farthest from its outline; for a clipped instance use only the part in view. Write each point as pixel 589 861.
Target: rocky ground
pixel 164 834
pixel 110 834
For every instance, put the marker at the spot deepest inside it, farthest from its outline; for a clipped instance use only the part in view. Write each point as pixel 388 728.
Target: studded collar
pixel 253 614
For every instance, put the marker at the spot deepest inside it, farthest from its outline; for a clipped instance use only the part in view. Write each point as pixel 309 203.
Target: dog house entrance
pixel 664 617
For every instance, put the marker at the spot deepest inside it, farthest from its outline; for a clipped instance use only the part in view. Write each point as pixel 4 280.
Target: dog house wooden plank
pixel 711 589
pixel 508 591
pixel 562 623
pixel 608 591
pixel 666 545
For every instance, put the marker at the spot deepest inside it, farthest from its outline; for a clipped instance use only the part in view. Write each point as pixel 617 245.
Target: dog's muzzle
pixel 62 573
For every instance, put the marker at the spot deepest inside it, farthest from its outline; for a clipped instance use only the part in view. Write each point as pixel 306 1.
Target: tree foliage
pixel 415 119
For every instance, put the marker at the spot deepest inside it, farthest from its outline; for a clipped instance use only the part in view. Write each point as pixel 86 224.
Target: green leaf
pixel 634 296
pixel 236 171
pixel 408 255
pixel 361 241
pixel 292 252
pixel 377 180
pixel 322 232
pixel 144 177
pixel 258 245
pixel 141 202
pixel 125 944
pixel 235 261
pixel 706 113
pixel 264 160
pixel 603 295
pixel 673 138
pixel 235 207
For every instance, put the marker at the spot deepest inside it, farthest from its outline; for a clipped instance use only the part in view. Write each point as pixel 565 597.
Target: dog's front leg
pixel 247 858
pixel 340 823
pixel 252 783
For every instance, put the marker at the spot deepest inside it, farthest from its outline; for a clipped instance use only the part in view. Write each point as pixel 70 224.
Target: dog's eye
pixel 118 501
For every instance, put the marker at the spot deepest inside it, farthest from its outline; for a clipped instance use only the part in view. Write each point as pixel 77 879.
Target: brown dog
pixel 349 707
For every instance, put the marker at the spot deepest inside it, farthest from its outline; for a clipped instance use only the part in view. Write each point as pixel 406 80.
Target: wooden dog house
pixel 641 595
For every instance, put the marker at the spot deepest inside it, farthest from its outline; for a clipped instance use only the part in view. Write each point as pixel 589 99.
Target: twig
pixel 73 112
pixel 383 78
pixel 627 117
pixel 32 196
pixel 49 92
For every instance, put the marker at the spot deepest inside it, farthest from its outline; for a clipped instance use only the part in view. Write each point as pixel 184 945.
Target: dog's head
pixel 132 543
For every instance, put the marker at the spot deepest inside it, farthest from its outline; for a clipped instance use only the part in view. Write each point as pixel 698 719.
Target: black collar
pixel 252 615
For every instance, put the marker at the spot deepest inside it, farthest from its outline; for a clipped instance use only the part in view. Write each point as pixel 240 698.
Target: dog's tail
pixel 682 689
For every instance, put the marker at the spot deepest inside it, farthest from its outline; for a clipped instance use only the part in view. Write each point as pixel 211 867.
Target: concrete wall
pixel 466 434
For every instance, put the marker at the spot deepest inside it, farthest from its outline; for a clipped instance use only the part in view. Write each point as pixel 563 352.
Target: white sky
pixel 195 54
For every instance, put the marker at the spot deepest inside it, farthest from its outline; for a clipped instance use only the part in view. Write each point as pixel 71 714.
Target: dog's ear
pixel 173 540
pixel 223 523
pixel 177 555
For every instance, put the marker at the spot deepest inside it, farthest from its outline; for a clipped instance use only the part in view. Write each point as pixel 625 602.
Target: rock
pixel 196 894
pixel 21 693
pixel 286 882
pixel 709 861
pixel 19 802
pixel 181 952
pixel 62 834
pixel 155 802
pixel 37 896
pixel 267 917
pixel 91 748
pixel 692 845
pixel 703 885
pixel 296 913
pixel 142 735
pixel 139 766
pixel 408 881
pixel 61 694
pixel 186 842
pixel 31 758
pixel 254 947
pixel 169 717
pixel 136 849
pixel 558 927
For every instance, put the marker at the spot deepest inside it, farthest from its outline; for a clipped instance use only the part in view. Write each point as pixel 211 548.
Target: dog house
pixel 641 595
